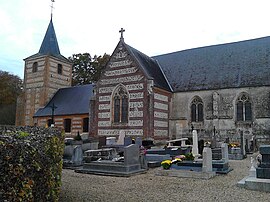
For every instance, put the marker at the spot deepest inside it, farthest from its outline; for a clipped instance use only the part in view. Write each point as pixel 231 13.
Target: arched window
pixel 35 67
pixel 120 105
pixel 196 110
pixel 243 108
pixel 59 69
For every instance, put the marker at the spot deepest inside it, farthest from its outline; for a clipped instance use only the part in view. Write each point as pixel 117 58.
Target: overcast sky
pixel 152 26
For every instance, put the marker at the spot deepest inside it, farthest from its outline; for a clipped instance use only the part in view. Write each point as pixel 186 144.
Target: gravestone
pixel 225 152
pixel 77 156
pixel 110 141
pixel 138 141
pixel 263 170
pixel 207 160
pixel 101 141
pixel 195 150
pixel 127 141
pixel 121 138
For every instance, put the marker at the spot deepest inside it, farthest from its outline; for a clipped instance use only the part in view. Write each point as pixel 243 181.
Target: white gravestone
pixel 207 160
pixel 225 152
pixel 121 138
pixel 195 151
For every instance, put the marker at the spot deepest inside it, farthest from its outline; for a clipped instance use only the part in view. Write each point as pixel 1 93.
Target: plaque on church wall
pixel 162 106
pixel 135 123
pixel 161 97
pixel 135 105
pixel 161 115
pixel 160 132
pixel 116 132
pixel 121 63
pixel 104 98
pixel 104 115
pixel 121 80
pixel 104 106
pixel 119 72
pixel 104 123
pixel 136 95
pixel 163 124
pixel 120 55
pixel 138 86
pixel 136 114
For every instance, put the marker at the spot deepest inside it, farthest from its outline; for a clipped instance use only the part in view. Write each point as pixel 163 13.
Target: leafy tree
pixel 87 69
pixel 10 88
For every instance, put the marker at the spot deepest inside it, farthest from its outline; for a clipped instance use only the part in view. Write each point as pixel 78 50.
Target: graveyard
pixel 140 176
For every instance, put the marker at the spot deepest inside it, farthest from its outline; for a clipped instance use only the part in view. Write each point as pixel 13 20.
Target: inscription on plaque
pixel 135 105
pixel 104 106
pixel 161 97
pixel 163 124
pixel 135 95
pixel 121 71
pixel 104 123
pixel 138 132
pixel 161 132
pixel 104 98
pixel 136 114
pixel 158 105
pixel 135 123
pixel 120 55
pixel 120 63
pixel 161 115
pixel 121 80
pixel 104 115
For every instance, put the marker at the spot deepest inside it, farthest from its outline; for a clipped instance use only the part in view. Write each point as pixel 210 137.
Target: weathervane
pixel 121 31
pixel 52 8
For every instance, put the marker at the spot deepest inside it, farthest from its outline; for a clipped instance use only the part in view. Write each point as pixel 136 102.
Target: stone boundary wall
pixel 30 163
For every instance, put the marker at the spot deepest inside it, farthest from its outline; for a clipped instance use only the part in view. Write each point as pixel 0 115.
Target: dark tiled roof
pixel 150 67
pixel 232 65
pixel 49 44
pixel 72 100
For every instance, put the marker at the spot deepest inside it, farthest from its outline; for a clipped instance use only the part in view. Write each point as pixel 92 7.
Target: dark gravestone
pixel 138 141
pixel 263 170
pixel 101 142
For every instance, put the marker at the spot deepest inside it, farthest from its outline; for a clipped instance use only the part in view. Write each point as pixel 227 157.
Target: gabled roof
pixel 49 44
pixel 72 100
pixel 232 65
pixel 150 67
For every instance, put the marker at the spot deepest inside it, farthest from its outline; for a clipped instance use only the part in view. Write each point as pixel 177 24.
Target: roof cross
pixel 122 31
pixel 52 8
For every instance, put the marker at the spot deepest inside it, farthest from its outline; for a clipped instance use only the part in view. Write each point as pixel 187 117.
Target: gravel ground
pixel 149 187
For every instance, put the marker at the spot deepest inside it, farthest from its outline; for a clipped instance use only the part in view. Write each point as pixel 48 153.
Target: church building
pixel 222 91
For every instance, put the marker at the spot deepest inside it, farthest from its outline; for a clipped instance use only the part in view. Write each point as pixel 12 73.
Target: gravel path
pixel 149 187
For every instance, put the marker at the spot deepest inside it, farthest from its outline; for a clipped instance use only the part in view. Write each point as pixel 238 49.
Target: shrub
pixel 30 163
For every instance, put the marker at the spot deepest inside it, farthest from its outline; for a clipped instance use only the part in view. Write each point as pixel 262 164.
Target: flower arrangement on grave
pixel 234 144
pixel 189 157
pixel 166 164
pixel 181 157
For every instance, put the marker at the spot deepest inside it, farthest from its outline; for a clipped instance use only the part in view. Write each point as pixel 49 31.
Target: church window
pixel 85 124
pixel 120 105
pixel 197 110
pixel 67 125
pixel 243 108
pixel 59 69
pixel 35 67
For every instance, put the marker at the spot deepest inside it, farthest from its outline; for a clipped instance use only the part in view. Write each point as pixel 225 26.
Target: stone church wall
pixel 219 107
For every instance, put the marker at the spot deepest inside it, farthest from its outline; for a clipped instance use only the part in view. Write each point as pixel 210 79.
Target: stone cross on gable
pixel 122 31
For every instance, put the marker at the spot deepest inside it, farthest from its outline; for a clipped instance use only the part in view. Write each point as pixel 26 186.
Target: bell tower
pixel 44 73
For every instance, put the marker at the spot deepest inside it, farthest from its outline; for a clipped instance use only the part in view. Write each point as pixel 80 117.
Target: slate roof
pixel 232 65
pixel 49 44
pixel 72 100
pixel 151 68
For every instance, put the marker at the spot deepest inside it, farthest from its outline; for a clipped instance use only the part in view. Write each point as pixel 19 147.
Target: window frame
pixel 120 105
pixel 197 110
pixel 35 67
pixel 244 108
pixel 66 126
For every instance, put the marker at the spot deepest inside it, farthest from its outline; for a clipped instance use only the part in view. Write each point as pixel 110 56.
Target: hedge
pixel 30 163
